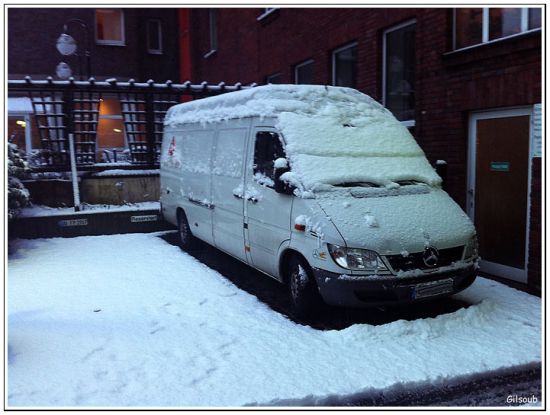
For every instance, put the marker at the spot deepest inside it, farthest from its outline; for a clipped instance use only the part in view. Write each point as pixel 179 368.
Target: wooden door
pixel 500 192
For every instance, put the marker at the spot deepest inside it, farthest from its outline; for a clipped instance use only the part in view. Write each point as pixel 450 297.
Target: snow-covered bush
pixel 18 195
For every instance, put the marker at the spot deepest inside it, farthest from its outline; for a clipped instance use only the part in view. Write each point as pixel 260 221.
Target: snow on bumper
pixel 368 291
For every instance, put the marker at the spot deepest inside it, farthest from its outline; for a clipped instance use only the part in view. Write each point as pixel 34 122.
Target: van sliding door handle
pixel 250 198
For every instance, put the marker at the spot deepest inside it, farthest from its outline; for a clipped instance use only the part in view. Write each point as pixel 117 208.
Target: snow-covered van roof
pixel 332 134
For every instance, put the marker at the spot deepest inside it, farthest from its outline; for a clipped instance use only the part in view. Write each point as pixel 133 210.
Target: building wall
pixel 33 32
pixel 449 85
pixel 159 67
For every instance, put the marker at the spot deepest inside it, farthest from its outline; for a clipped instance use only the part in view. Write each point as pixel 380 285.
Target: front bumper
pixel 367 291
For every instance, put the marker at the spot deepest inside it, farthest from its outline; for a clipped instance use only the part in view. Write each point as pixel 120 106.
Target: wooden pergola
pixel 72 107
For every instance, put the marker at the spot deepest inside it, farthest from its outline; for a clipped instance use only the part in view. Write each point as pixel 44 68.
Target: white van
pixel 320 188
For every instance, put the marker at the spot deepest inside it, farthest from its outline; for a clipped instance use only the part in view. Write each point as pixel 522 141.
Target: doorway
pixel 498 189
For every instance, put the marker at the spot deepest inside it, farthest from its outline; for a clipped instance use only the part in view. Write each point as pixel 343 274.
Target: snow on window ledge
pixel 208 54
pixel 494 41
pixel 104 42
pixel 408 123
pixel 266 13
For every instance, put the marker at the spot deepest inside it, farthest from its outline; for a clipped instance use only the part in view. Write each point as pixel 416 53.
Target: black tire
pixel 186 239
pixel 303 290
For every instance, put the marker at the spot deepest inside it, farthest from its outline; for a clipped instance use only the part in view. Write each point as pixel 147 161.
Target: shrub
pixel 18 195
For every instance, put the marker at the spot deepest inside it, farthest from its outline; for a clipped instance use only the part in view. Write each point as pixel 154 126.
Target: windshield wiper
pixel 356 184
pixel 408 182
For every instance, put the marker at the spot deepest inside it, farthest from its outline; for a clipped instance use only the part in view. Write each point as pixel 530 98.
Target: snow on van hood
pixel 400 221
pixel 332 134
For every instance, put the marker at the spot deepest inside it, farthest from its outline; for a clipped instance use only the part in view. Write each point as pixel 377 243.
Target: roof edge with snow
pixel 264 101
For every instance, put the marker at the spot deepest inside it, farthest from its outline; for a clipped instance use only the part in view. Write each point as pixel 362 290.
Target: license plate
pixel 429 289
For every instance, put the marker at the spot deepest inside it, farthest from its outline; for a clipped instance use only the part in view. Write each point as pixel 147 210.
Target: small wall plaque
pixel 500 166
pixel 73 222
pixel 144 218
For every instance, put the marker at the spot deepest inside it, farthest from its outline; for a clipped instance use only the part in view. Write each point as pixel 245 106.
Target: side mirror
pixel 441 170
pixel 281 186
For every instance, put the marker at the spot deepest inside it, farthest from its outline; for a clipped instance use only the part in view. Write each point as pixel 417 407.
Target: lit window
pixel 273 79
pixel 474 26
pixel 109 26
pixel 154 37
pixel 110 130
pixel 344 66
pixel 17 131
pixel 303 73
pixel 399 70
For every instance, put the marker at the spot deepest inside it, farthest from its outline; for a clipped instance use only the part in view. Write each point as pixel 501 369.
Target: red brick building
pixel 467 82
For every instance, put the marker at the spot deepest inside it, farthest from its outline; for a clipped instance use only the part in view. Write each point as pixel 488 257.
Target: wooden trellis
pixel 63 107
pixel 143 119
pixel 57 113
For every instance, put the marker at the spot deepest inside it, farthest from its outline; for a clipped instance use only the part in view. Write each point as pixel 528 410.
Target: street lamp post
pixel 66 45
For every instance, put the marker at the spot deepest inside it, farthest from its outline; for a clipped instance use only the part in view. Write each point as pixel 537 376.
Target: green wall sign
pixel 500 166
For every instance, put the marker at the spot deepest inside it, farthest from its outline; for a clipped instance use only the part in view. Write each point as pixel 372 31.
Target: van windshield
pixel 324 149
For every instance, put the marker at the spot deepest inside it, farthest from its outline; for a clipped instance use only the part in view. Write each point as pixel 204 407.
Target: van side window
pixel 268 148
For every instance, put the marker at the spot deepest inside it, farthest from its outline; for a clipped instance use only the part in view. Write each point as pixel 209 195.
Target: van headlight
pixel 356 259
pixel 472 248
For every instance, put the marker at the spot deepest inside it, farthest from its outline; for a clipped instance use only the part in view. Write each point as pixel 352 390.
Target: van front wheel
pixel 303 288
pixel 185 238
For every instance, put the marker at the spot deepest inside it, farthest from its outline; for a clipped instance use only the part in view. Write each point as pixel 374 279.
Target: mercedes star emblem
pixel 430 257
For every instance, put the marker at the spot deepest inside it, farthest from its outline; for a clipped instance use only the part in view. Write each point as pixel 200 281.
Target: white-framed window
pixel 344 66
pixel 480 25
pixel 212 31
pixel 19 125
pixel 154 37
pixel 398 71
pixel 109 27
pixel 273 79
pixel 303 72
pixel 267 11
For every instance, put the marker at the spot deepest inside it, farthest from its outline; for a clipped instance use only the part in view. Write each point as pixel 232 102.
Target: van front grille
pixel 415 260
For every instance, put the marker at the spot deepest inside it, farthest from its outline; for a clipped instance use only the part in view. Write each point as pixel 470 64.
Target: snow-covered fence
pixel 73 107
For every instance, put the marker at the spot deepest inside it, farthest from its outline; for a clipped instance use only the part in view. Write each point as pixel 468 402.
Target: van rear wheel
pixel 185 238
pixel 304 293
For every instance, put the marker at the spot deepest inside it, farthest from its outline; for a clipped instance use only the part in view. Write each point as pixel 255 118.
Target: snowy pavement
pixel 132 321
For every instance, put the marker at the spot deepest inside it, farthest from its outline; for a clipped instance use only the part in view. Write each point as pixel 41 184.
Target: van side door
pixel 227 185
pixel 267 213
pixel 194 150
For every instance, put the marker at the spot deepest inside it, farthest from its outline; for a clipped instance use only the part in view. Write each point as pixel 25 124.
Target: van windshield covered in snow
pixel 376 152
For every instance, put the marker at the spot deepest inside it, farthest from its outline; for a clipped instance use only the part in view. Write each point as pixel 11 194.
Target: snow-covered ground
pixel 132 321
